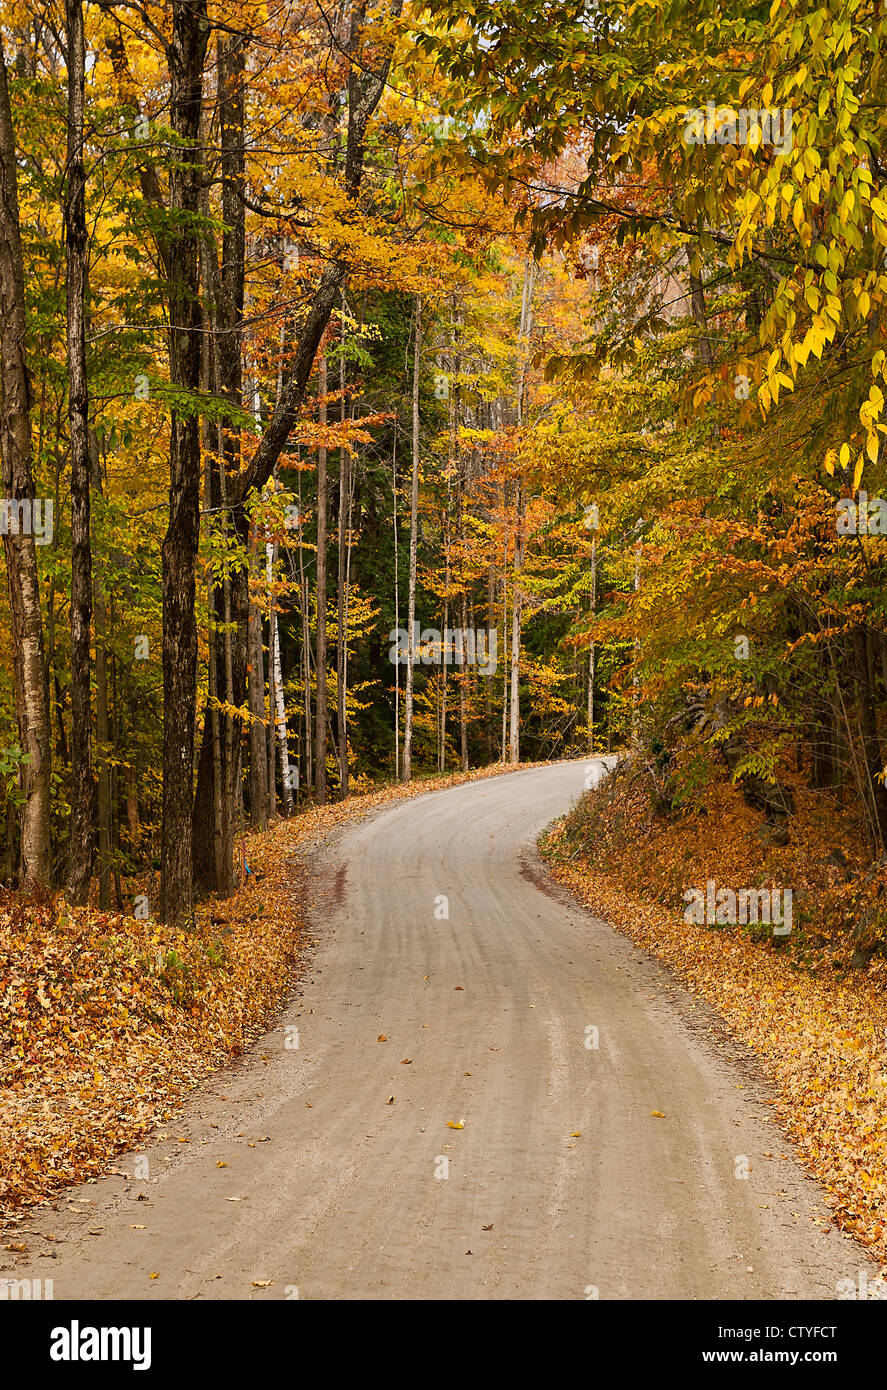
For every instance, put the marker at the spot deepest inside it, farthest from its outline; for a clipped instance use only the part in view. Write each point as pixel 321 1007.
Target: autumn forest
pixel 396 394
pixel 322 325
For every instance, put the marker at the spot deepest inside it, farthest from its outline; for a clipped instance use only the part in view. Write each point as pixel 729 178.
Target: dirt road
pixel 330 1170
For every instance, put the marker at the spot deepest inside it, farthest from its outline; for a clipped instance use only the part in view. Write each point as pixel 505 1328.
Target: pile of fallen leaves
pixel 818 1026
pixel 107 1020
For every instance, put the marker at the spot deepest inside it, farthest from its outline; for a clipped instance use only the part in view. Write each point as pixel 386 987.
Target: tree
pixel 77 253
pixel 31 692
pixel 187 51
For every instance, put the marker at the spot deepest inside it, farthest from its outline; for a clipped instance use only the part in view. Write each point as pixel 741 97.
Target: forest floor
pixel 108 1021
pixel 818 1025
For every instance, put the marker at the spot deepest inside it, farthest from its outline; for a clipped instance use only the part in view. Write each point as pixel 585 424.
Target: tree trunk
pixel 514 702
pixel 591 671
pixel 863 640
pixel 187 52
pixel 407 767
pixel 342 594
pixel 30 681
pixel 279 709
pixel 258 760
pixel 304 607
pixel 216 811
pixel 102 722
pixel 271 726
pixel 320 662
pixel 697 303
pixel 76 253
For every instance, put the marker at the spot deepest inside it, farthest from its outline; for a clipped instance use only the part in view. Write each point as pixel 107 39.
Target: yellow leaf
pixel 658 1113
pixel 455 1124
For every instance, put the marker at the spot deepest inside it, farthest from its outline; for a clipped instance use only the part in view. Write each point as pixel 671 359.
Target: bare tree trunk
pixel 697 303
pixel 526 324
pixel 442 755
pixel 272 725
pixel 228 598
pixel 341 592
pixel 636 683
pixel 187 51
pixel 320 663
pixel 397 767
pixel 407 768
pixel 463 683
pixel 31 688
pixel 505 663
pixel 102 722
pixel 591 671
pixel 489 734
pixel 279 712
pixel 514 703
pixel 306 655
pixel 258 761
pixel 76 253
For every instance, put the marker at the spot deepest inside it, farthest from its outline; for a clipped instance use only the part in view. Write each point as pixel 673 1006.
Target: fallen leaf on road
pixel 381 1038
pixel 138 1228
pixel 455 1124
pixel 462 987
pixel 577 1134
pixel 658 1113
pixel 262 1283
pixel 20 1248
pixel 390 1100
pixel 405 1061
pixel 220 1164
pixel 154 1276
pixel 487 1228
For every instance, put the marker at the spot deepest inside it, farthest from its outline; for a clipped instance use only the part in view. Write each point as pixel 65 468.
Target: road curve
pixel 550 1037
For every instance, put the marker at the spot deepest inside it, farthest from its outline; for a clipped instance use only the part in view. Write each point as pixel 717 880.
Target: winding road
pixel 334 1169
